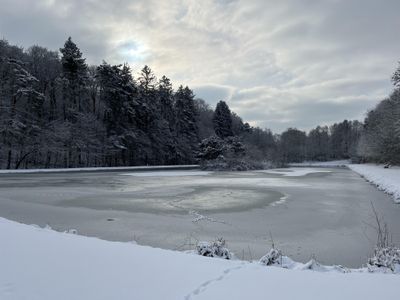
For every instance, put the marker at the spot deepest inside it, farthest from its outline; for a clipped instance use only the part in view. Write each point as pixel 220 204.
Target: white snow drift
pixel 387 180
pixel 41 264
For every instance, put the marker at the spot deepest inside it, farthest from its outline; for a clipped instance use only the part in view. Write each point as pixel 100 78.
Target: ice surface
pixel 168 173
pixel 294 172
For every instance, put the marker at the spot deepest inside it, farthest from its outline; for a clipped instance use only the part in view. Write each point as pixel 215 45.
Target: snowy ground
pixel 40 264
pixel 387 180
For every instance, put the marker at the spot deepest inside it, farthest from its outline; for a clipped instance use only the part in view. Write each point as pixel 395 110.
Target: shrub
pixel 214 249
pixel 272 258
pixel 387 258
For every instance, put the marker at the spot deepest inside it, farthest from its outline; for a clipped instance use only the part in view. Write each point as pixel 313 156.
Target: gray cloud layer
pixel 277 63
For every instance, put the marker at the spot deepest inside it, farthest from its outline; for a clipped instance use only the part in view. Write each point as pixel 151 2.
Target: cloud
pixel 213 92
pixel 277 63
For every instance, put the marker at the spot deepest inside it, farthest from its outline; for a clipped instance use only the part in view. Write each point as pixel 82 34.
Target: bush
pixel 272 258
pixel 387 258
pixel 214 249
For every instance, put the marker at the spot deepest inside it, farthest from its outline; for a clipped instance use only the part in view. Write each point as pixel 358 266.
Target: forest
pixel 56 111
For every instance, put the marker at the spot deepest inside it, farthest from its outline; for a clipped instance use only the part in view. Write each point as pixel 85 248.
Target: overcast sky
pixel 278 64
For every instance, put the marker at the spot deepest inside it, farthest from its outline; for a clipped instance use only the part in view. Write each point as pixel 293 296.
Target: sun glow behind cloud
pixel 133 52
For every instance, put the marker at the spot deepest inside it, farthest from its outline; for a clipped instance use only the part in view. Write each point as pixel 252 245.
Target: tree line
pixel 375 140
pixel 57 111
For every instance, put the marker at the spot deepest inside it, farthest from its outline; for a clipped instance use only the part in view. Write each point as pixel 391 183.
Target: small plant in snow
pixel 214 249
pixel 272 258
pixel 387 258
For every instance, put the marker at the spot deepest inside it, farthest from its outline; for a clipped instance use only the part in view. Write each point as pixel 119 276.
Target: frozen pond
pixel 319 212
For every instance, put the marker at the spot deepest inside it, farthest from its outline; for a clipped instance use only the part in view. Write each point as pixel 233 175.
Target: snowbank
pixel 333 163
pixel 103 169
pixel 40 264
pixel 387 180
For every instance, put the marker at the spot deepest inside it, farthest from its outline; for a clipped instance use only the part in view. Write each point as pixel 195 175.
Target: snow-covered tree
pixel 186 130
pixel 222 120
pixel 75 73
pixel 396 77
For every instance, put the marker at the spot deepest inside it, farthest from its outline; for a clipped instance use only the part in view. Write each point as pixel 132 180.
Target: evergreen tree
pixel 166 98
pixel 73 64
pixel 185 127
pixel 222 120
pixel 75 72
pixel 396 77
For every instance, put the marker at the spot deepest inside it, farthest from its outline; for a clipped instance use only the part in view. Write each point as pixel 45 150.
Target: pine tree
pixel 222 120
pixel 75 71
pixel 185 127
pixel 74 66
pixel 166 100
pixel 396 77
pixel 147 83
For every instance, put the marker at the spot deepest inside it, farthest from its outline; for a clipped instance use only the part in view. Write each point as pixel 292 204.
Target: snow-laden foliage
pixel 273 257
pixel 225 154
pixel 381 135
pixel 222 120
pixel 385 259
pixel 215 248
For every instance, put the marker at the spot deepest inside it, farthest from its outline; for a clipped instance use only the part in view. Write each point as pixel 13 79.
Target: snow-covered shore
pixel 387 180
pixel 103 169
pixel 333 163
pixel 43 264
